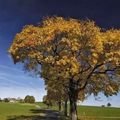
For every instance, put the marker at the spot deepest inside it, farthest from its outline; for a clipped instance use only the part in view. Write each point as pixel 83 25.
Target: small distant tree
pixel 6 100
pixel 109 104
pixel 103 106
pixel 29 99
pixel 0 100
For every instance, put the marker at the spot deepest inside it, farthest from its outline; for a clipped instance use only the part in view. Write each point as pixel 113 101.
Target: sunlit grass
pixel 84 112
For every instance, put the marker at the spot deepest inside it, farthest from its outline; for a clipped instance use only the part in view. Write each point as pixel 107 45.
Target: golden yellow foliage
pixel 69 48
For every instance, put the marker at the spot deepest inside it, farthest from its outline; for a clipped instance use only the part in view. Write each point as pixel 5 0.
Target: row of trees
pixel 75 58
pixel 9 99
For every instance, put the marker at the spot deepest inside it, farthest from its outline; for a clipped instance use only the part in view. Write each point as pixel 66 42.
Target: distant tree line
pixel 27 99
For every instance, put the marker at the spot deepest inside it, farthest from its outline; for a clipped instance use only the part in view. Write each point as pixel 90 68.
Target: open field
pixel 98 113
pixel 10 109
pixel 17 111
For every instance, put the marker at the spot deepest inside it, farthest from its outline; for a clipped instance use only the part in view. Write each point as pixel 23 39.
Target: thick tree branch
pixel 106 71
pixel 90 74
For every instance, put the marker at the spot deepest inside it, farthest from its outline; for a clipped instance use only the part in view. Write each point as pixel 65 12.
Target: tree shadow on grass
pixel 45 111
pixel 25 117
pixel 38 114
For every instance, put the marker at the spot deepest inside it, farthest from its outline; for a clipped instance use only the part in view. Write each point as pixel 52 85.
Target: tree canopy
pixel 83 56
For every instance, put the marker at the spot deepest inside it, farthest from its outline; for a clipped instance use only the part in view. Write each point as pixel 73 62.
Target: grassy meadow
pixel 7 110
pixel 19 111
pixel 98 113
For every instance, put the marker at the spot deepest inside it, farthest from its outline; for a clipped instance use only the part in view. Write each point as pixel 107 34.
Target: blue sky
pixel 14 82
pixel 14 14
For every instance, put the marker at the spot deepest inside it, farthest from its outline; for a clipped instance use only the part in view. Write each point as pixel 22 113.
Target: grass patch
pixel 20 111
pixel 98 113
pixel 12 109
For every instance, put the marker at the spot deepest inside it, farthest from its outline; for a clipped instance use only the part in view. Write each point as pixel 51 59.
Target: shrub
pixel 109 104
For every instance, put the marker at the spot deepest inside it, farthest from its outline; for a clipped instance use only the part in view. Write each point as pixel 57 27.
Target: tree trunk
pixel 59 105
pixel 73 95
pixel 73 109
pixel 65 108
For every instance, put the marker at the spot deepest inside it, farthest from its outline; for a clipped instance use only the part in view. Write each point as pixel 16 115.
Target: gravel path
pixel 51 115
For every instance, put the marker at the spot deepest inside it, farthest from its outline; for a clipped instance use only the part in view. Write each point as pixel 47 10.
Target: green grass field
pixel 8 110
pixel 17 111
pixel 98 113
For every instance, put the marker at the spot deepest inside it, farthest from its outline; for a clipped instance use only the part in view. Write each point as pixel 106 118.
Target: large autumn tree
pixel 79 53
